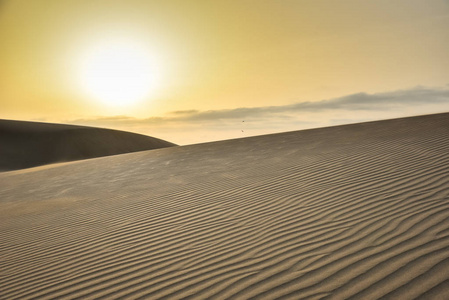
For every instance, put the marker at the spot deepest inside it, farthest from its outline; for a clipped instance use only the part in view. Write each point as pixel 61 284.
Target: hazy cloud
pixel 184 112
pixel 359 101
pixel 354 102
pixel 193 126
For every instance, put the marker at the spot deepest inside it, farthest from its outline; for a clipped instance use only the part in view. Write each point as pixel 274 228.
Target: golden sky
pixel 224 56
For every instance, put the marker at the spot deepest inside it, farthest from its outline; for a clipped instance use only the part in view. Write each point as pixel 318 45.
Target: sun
pixel 119 73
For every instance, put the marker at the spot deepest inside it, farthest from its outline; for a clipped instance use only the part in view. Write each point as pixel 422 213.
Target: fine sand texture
pixel 348 212
pixel 29 144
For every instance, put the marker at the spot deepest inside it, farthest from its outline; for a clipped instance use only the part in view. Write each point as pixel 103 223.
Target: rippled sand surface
pixel 358 211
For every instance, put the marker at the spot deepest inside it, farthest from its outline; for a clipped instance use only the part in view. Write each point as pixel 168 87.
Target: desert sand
pixel 348 212
pixel 30 144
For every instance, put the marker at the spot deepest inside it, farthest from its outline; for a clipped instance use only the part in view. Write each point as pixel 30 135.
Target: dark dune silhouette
pixel 29 144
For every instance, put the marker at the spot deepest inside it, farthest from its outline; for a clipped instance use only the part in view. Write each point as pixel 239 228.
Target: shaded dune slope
pixel 348 212
pixel 29 144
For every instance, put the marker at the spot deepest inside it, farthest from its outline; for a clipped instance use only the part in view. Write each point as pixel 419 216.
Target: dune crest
pixel 348 212
pixel 30 144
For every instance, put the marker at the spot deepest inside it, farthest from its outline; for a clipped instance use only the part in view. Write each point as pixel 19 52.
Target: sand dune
pixel 30 144
pixel 348 212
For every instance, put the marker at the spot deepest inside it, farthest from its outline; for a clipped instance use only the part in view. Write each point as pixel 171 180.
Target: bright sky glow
pixel 118 73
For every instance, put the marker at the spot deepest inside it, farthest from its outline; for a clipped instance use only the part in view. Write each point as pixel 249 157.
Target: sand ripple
pixel 348 212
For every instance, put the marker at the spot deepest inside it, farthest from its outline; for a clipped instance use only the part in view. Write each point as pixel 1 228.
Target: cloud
pixel 354 102
pixel 184 112
pixel 352 108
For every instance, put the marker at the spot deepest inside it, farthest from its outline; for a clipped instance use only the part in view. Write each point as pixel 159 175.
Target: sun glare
pixel 119 73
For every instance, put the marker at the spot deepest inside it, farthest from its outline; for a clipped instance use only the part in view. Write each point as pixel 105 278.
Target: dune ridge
pixel 30 144
pixel 348 212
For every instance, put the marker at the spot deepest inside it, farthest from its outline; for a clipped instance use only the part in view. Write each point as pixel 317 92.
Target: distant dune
pixel 30 144
pixel 348 212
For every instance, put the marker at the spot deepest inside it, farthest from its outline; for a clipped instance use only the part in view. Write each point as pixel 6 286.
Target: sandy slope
pixel 30 144
pixel 358 211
